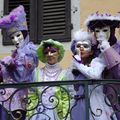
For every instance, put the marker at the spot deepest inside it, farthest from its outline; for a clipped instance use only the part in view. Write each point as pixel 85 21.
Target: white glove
pixel 101 39
pixel 93 71
pixel 104 46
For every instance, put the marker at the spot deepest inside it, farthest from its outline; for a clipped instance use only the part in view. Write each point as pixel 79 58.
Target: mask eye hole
pixel 18 35
pixel 11 37
pixel 78 45
pixel 97 31
pixel 86 45
pixel 52 50
pixel 105 30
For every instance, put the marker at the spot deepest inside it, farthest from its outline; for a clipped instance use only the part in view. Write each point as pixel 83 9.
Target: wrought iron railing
pixel 33 99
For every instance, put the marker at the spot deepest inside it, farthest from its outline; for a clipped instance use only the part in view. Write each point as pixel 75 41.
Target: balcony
pixel 52 96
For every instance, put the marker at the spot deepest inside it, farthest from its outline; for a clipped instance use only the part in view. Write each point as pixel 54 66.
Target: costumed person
pixel 103 26
pixel 86 65
pixel 53 101
pixel 18 67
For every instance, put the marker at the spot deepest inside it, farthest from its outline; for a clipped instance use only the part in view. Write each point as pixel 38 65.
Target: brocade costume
pixel 18 67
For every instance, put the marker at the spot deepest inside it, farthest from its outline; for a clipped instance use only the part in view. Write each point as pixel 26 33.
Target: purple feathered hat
pixel 15 21
pixel 97 20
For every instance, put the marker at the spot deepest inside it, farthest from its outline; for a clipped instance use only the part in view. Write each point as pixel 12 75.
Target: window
pixel 46 19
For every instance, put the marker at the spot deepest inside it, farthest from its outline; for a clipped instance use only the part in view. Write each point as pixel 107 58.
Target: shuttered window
pixel 55 20
pixel 46 19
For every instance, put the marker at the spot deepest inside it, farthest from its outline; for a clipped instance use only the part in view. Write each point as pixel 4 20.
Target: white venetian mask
pixel 86 45
pixel 17 38
pixel 102 33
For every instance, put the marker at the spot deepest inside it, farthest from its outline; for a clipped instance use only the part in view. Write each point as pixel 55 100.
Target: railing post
pixel 87 104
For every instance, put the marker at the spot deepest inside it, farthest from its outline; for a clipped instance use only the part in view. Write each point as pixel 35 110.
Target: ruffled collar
pixel 52 71
pixel 55 66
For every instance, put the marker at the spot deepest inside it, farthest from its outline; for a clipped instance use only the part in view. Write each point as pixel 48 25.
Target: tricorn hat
pixel 15 21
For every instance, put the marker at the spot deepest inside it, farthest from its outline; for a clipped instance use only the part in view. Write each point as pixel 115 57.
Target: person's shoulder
pixel 31 45
pixel 117 44
pixel 30 48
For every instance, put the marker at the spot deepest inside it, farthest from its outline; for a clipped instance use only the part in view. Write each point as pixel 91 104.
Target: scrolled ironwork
pixel 49 100
pixel 98 112
pixel 58 89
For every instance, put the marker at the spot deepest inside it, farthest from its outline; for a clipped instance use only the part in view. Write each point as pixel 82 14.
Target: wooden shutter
pixel 54 20
pixel 8 6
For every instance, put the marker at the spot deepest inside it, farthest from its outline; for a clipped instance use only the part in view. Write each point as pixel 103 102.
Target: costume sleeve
pixel 111 57
pixel 26 61
pixel 31 55
pixel 94 70
pixel 7 65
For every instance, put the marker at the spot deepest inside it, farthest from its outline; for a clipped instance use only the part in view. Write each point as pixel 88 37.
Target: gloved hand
pixel 101 39
pixel 103 44
pixel 8 62
pixel 11 66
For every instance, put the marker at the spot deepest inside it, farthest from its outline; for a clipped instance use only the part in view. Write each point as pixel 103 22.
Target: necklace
pixel 51 73
pixel 52 70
